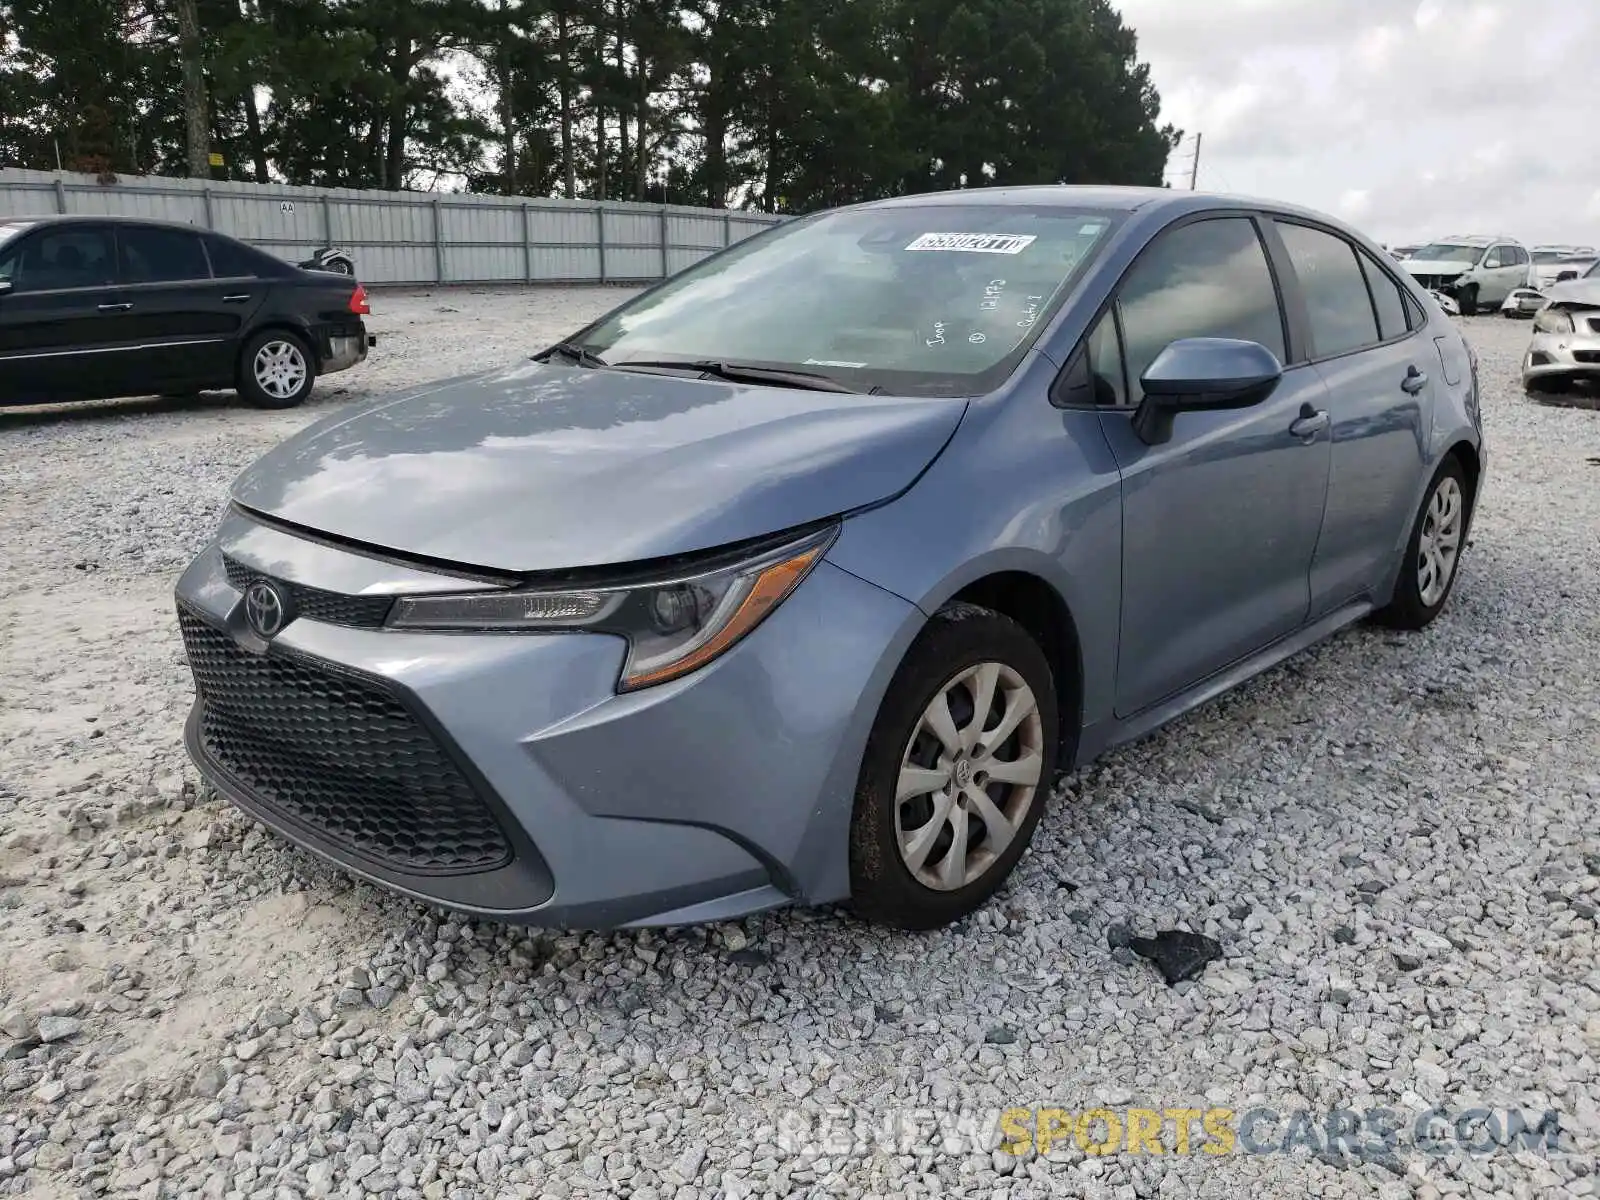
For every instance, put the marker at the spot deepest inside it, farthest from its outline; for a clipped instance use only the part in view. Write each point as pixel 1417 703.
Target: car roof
pixel 99 219
pixel 1105 197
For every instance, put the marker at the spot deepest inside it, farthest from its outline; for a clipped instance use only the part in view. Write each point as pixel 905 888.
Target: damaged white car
pixel 1554 264
pixel 1565 349
pixel 1476 271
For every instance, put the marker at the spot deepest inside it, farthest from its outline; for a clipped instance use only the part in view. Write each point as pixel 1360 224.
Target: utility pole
pixel 1194 168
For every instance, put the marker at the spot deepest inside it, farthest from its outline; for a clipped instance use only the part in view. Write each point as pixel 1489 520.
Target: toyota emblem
pixel 263 608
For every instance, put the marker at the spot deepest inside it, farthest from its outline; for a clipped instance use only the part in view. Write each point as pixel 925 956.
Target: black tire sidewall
pixel 252 392
pixel 882 888
pixel 1468 301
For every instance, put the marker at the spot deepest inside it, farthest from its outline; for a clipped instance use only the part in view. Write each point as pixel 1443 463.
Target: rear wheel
pixel 1428 571
pixel 276 370
pixel 956 773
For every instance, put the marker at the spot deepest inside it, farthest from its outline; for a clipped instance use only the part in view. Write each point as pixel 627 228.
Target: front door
pixel 61 331
pixel 1220 523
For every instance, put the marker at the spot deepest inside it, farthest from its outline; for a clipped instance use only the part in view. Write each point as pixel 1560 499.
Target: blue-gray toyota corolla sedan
pixel 799 577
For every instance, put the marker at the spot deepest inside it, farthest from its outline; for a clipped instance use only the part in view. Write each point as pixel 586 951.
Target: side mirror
pixel 1202 375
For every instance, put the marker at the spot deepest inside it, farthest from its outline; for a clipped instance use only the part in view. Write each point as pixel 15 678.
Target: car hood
pixel 1574 291
pixel 1443 266
pixel 538 468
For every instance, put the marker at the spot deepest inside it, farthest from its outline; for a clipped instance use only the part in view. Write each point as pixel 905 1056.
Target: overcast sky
pixel 1409 118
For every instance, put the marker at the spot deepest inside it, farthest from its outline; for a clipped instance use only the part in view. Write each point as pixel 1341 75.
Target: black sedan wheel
pixel 276 370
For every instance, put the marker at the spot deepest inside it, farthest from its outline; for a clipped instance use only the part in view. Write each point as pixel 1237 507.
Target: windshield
pixel 935 300
pixel 1549 256
pixel 1448 252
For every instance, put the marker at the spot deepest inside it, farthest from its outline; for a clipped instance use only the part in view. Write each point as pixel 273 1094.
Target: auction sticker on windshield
pixel 975 243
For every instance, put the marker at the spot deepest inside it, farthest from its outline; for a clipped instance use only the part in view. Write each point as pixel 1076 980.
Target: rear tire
pixel 276 370
pixel 1432 559
pixel 949 796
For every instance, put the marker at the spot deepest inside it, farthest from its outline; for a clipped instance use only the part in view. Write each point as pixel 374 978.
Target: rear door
pixel 61 329
pixel 1365 338
pixel 186 320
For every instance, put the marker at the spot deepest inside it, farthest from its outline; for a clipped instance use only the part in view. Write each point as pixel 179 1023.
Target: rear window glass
pixel 161 255
pixel 235 260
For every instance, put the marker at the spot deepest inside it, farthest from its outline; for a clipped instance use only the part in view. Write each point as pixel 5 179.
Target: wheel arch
pixel 1036 605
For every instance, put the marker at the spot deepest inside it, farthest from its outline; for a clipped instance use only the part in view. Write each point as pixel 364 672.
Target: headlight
pixel 673 625
pixel 1553 320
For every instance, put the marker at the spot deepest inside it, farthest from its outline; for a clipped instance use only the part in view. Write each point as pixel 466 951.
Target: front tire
pixel 276 370
pixel 1468 301
pixel 956 773
pixel 1433 553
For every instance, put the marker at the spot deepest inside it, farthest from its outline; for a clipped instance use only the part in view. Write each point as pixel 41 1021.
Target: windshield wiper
pixel 584 358
pixel 740 373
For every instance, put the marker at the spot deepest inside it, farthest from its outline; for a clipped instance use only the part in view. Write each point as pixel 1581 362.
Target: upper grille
pixel 315 604
pixel 339 755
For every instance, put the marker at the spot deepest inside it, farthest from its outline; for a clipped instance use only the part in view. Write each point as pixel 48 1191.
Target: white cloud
pixel 1409 119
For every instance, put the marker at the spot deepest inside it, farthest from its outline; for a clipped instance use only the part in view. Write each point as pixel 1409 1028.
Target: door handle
pixel 1311 422
pixel 1414 381
pixel 114 307
pixel 237 298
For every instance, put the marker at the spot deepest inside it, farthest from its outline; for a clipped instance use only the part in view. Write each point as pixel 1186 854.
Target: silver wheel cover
pixel 969 777
pixel 1439 547
pixel 280 369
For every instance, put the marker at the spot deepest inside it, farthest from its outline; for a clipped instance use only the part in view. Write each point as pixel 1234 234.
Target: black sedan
pixel 97 307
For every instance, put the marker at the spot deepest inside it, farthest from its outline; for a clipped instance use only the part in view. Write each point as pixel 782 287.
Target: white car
pixel 1474 270
pixel 1553 263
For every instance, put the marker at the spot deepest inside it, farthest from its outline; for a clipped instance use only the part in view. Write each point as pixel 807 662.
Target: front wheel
pixel 956 773
pixel 276 370
pixel 1428 571
pixel 1468 301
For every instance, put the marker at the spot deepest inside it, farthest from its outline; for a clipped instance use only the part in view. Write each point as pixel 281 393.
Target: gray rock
pixel 57 1029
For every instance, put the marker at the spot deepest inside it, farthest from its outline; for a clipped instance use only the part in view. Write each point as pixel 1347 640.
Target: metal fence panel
pixel 410 237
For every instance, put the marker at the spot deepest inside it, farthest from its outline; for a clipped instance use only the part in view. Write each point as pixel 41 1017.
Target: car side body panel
pixel 122 338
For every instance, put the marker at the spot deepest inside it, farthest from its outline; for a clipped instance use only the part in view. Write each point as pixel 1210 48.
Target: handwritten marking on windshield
pixel 991 295
pixel 1031 313
pixel 938 334
pixel 830 362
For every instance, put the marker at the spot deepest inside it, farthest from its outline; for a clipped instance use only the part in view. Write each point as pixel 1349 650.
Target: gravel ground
pixel 1394 838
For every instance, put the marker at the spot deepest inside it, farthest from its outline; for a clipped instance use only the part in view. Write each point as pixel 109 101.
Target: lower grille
pixel 340 756
pixel 1588 357
pixel 316 604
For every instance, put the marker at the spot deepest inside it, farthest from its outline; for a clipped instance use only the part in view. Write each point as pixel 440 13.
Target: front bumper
pixel 1553 356
pixel 726 792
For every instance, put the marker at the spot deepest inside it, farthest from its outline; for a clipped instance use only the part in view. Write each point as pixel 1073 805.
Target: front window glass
pixel 1448 252
pixel 935 300
pixel 59 258
pixel 1206 279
